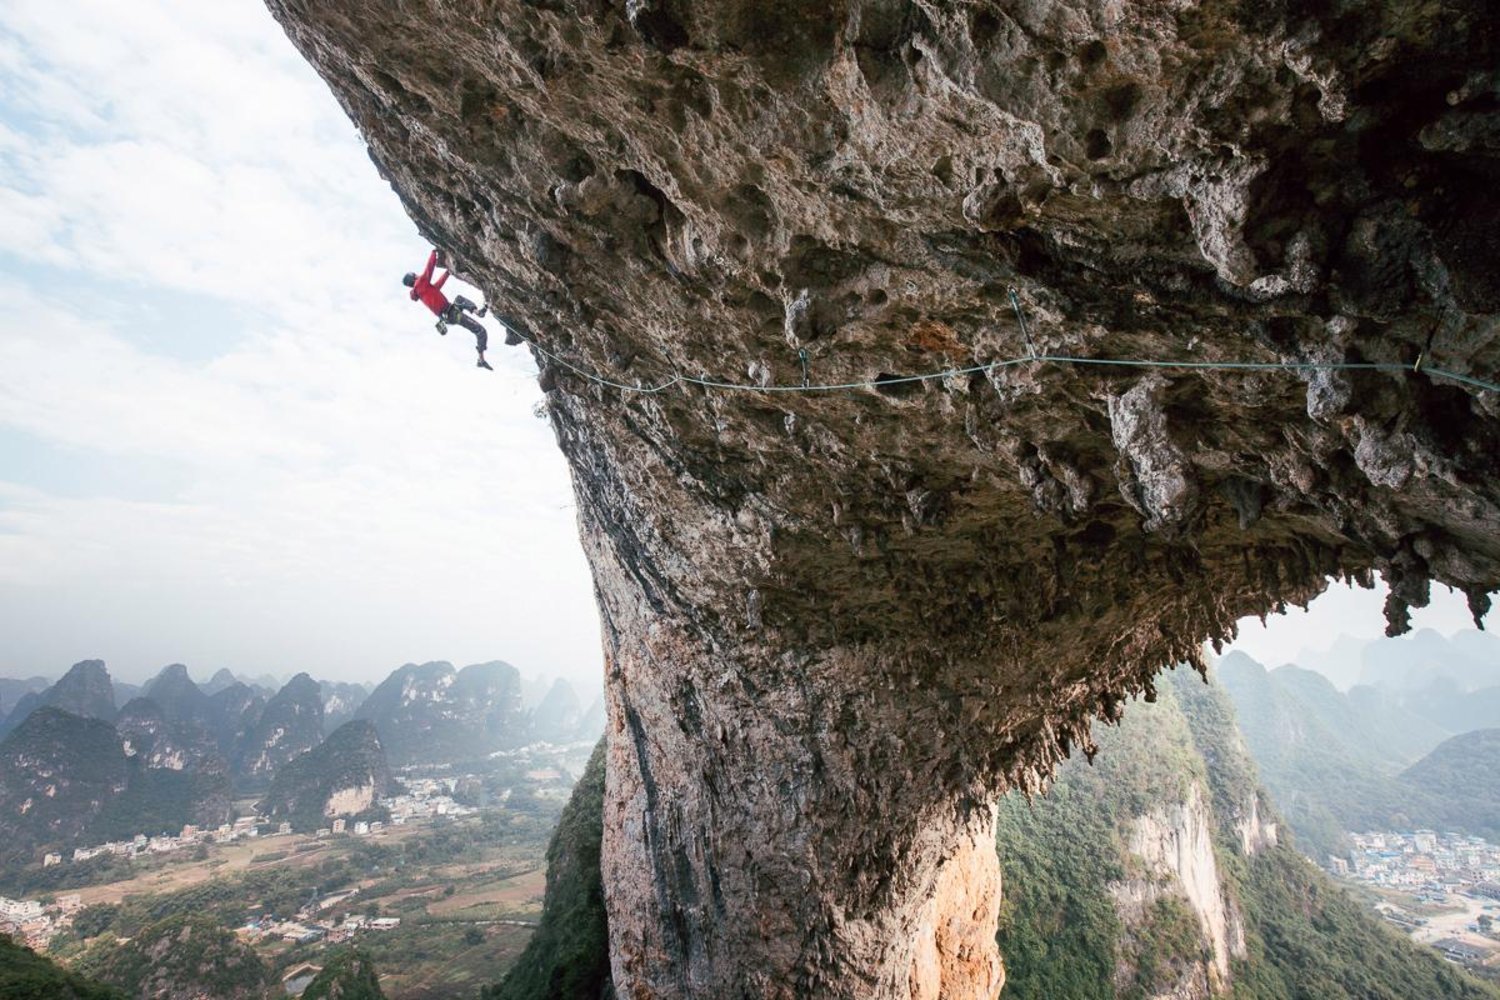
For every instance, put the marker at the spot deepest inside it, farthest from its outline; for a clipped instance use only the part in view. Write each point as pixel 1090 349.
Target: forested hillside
pixel 1365 759
pixel 1074 923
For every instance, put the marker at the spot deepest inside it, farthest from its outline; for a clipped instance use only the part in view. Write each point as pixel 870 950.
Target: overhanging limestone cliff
pixel 837 622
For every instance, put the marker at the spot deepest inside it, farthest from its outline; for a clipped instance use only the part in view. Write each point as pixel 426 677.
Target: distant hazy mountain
pixel 1326 757
pixel 534 688
pixel 1451 683
pixel 177 775
pixel 85 690
pixel 1290 708
pixel 1342 663
pixel 432 713
pixel 222 679
pixel 1445 704
pixel 265 684
pixel 1457 786
pixel 593 720
pixel 232 710
pixel 291 723
pixel 179 698
pixel 556 717
pixel 1471 660
pixel 342 776
pixel 13 689
pixel 340 701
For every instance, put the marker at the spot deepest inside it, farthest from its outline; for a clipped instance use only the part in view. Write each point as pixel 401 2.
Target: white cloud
pixel 227 301
pixel 186 145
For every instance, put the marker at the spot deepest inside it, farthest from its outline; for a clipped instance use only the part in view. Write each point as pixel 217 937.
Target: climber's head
pixel 409 281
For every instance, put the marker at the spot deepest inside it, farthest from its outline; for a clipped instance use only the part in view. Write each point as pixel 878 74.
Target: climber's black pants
pixel 458 313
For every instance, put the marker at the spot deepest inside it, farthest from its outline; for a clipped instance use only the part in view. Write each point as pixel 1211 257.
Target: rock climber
pixel 427 291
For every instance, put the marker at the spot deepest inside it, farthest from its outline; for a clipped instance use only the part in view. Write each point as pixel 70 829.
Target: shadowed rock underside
pixel 837 622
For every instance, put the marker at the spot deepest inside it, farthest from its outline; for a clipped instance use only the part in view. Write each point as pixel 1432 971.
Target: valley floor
pixel 443 908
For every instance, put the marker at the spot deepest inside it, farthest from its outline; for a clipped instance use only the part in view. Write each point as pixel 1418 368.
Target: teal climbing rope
pixel 1420 367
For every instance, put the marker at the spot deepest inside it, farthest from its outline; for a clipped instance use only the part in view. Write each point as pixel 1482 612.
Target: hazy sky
pixel 1344 610
pixel 227 437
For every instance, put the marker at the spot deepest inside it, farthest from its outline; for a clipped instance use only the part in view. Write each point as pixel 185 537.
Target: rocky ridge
pixel 838 622
pixel 1174 846
pixel 86 690
pixel 434 713
pixel 291 723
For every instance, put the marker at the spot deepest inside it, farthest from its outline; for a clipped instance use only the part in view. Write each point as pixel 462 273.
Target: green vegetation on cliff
pixel 182 957
pixel 1064 855
pixel 160 801
pixel 569 956
pixel 58 772
pixel 1057 926
pixel 1457 786
pixel 1309 940
pixel 348 975
pixel 1060 933
pixel 25 975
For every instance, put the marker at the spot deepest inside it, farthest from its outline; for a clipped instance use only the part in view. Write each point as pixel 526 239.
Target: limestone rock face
pixel 1174 846
pixel 837 622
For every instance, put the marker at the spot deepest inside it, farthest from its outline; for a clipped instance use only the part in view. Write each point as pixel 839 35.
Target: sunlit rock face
pixel 837 623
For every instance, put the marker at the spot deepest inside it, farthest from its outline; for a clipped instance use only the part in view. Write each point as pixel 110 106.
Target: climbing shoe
pixel 484 364
pixel 483 310
pixel 442 328
pixel 512 338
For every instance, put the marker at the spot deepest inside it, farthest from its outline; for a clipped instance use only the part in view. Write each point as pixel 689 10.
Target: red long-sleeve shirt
pixel 426 290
